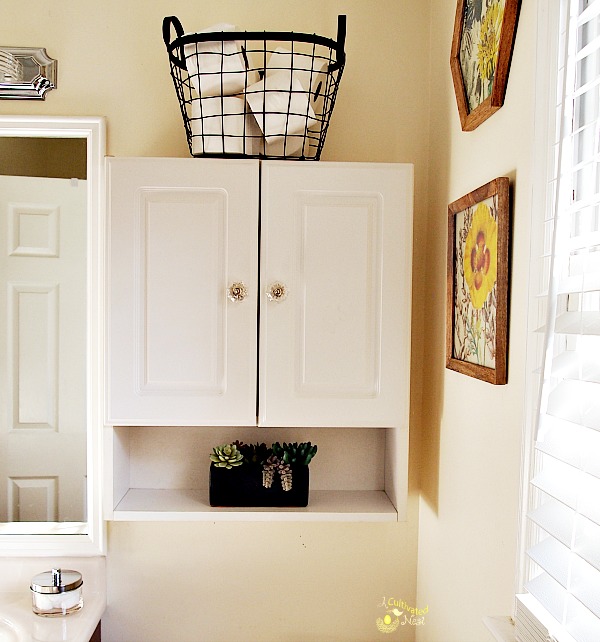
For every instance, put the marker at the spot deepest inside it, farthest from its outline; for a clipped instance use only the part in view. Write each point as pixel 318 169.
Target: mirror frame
pixel 75 538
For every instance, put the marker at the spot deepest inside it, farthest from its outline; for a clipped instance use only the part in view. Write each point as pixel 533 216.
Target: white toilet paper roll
pixel 285 146
pixel 224 125
pixel 217 67
pixel 281 105
pixel 309 69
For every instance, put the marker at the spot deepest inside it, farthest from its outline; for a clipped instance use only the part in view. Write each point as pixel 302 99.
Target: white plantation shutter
pixel 564 499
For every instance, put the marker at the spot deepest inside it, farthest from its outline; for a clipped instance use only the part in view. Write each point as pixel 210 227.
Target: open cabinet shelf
pixel 162 474
pixel 192 505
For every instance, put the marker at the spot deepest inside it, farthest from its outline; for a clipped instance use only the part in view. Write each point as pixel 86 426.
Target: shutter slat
pixel 572 364
pixel 589 49
pixel 582 624
pixel 553 557
pixel 584 582
pixel 587 536
pixel 568 569
pixel 563 489
pixel 579 283
pixel 570 486
pixel 555 518
pixel 570 443
pixel 591 12
pixel 584 241
pixel 549 593
pixel 577 402
pixel 578 323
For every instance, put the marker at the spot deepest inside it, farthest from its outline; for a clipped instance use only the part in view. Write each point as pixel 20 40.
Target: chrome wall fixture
pixel 26 72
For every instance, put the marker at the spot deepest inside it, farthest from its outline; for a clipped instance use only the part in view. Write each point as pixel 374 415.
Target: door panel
pixel 181 231
pixel 338 236
pixel 338 307
pixel 43 247
pixel 182 246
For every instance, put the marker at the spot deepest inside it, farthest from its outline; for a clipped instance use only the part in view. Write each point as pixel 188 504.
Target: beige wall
pixel 247 581
pixel 471 439
pixel 322 582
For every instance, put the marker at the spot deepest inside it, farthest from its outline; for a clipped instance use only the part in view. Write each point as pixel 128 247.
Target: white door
pixel 42 349
pixel 335 349
pixel 182 231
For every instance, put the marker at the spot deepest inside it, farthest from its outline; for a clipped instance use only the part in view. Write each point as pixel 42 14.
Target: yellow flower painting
pixel 475 288
pixel 489 41
pixel 480 258
pixel 477 285
pixel 479 47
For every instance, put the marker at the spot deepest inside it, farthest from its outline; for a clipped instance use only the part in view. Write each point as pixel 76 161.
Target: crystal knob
pixel 277 292
pixel 237 291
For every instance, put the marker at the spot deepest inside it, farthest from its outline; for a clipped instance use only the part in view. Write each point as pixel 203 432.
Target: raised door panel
pixel 42 349
pixel 335 349
pixel 181 231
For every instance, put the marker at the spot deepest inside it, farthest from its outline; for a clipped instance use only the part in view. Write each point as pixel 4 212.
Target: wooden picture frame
pixel 482 45
pixel 477 283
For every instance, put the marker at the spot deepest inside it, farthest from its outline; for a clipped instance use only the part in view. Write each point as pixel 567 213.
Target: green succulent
pixel 255 453
pixel 226 456
pixel 294 453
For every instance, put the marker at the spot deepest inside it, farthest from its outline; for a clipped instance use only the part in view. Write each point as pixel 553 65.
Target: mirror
pixel 51 274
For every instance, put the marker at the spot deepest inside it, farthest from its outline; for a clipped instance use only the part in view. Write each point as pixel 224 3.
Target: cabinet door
pixel 335 350
pixel 179 351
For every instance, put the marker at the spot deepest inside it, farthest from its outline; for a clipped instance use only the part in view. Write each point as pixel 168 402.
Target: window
pixel 561 570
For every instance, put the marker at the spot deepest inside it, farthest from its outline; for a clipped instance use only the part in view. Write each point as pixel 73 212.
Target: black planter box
pixel 243 486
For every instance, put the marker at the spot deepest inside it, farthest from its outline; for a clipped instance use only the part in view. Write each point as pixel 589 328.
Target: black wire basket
pixel 255 94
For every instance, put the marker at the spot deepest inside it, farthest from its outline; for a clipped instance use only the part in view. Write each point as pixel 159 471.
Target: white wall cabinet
pixel 321 339
pixel 179 351
pixel 335 238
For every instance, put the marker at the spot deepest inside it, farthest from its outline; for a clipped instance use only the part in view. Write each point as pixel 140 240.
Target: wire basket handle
pixel 181 39
pixel 168 22
pixel 340 57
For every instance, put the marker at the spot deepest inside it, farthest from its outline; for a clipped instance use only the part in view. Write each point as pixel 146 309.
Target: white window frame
pixel 549 46
pixel 545 95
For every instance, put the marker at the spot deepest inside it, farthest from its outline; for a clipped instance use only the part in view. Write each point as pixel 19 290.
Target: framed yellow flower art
pixel 482 44
pixel 477 286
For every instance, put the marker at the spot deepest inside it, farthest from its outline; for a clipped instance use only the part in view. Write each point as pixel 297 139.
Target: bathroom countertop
pixel 18 623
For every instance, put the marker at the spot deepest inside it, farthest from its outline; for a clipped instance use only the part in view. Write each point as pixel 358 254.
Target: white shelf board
pixel 144 504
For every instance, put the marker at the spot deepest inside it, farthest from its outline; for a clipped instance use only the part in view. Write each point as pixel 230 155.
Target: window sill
pixel 502 628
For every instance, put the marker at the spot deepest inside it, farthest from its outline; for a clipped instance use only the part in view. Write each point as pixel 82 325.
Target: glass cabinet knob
pixel 237 291
pixel 277 292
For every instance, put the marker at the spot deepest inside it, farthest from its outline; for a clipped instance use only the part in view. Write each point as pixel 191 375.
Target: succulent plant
pixel 294 453
pixel 226 456
pixel 255 454
pixel 285 473
pixel 269 468
pixel 273 465
pixel 277 459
